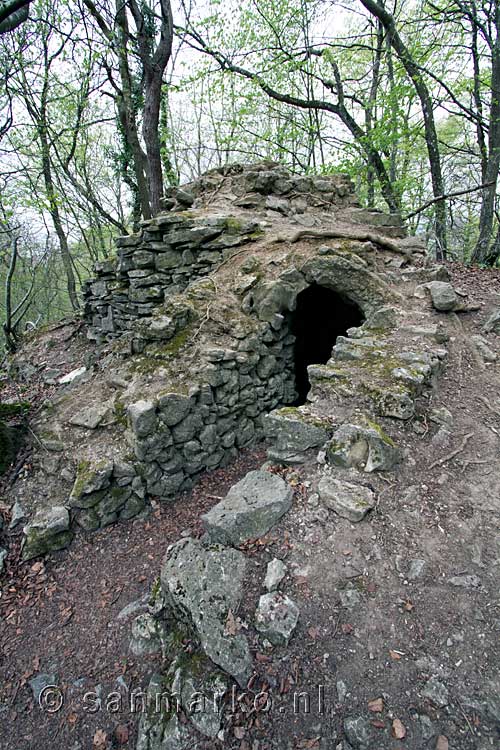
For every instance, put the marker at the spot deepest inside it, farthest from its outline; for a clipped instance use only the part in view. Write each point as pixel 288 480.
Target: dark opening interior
pixel 320 316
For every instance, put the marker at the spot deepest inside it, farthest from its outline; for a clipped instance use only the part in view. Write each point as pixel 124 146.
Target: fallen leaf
pixel 347 628
pixel 408 606
pixel 121 734
pixel 376 706
pixel 442 742
pixel 394 655
pixel 72 718
pixel 398 729
pixel 262 657
pixel 378 724
pixel 231 627
pixel 100 739
pixel 314 633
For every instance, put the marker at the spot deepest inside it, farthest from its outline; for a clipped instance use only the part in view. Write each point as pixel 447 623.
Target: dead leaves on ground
pixel 398 729
pixel 100 740
pixel 376 705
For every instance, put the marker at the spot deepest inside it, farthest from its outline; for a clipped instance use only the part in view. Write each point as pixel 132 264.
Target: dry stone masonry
pixel 197 349
pixel 260 305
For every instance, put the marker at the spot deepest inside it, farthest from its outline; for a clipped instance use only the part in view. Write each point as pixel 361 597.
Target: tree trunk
pixel 151 135
pixel 431 138
pixel 482 253
pixel 58 226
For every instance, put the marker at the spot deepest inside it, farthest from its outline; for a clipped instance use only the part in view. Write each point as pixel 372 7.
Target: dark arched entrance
pixel 320 316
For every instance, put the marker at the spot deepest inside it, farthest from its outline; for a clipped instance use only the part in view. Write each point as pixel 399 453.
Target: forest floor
pixel 399 629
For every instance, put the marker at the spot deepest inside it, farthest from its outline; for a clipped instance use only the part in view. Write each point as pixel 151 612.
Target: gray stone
pixel 159 727
pixel 88 520
pixel 148 635
pixel 142 416
pixel 133 608
pixel 350 598
pixel 74 376
pixel 358 731
pixel 484 350
pixel 348 500
pixel 133 506
pixel 91 416
pixel 442 416
pixel 161 328
pixel 292 433
pixel 427 727
pixel 277 204
pixel 436 692
pixel 90 478
pixel 188 428
pixel 492 325
pixel 18 514
pixel 146 294
pixel 276 617
pixel 173 408
pixel 492 699
pixel 341 691
pixel 385 318
pixel 276 571
pixel 185 197
pixel 168 259
pixel 443 296
pixel 416 569
pixel 200 688
pixel 364 445
pixel 200 587
pixel 249 510
pixel 465 581
pixel 3 555
pixel 48 531
pixel 40 682
pixel 112 500
pixel 123 469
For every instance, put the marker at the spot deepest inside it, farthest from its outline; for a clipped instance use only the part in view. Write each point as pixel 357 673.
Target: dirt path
pixel 62 617
pixel 402 609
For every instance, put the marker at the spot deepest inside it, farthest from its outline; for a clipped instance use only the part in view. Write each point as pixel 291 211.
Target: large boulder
pixel 352 501
pixel 201 586
pixel 443 296
pixel 250 509
pixel 364 445
pixel 293 432
pixel 91 478
pixel 492 325
pixel 48 531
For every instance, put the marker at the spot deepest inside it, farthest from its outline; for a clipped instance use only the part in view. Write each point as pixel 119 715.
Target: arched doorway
pixel 319 317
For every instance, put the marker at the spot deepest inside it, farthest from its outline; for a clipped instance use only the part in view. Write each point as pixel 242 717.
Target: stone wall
pixel 178 435
pixel 169 252
pixel 174 249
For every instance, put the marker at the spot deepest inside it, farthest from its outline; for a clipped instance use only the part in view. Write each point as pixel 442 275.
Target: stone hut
pixel 259 304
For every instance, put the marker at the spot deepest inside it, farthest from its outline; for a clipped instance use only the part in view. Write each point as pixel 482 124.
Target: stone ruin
pixel 259 305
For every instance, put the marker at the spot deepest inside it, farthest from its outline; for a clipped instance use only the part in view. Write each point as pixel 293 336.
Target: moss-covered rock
pixel 48 531
pixel 90 479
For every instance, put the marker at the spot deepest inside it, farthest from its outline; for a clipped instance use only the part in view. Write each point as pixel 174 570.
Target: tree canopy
pixel 104 104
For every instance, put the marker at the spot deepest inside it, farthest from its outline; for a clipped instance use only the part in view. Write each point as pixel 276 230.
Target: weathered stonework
pixel 195 340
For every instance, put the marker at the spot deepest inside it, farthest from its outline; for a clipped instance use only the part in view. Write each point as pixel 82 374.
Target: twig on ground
pixel 449 456
pixel 489 406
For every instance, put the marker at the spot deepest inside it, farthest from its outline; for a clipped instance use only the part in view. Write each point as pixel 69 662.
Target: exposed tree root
pixel 344 234
pixel 454 453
